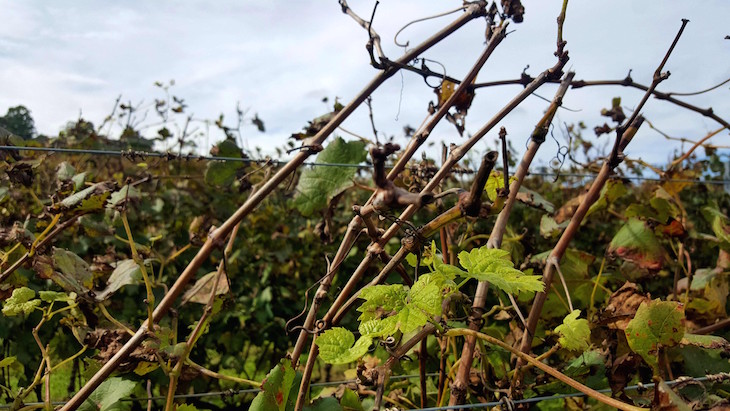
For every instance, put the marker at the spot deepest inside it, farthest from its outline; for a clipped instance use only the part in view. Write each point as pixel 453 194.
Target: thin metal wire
pixel 133 154
pixel 713 378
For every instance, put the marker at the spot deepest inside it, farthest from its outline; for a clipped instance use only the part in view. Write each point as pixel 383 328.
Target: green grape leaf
pixel 669 400
pixel 186 407
pixel 656 324
pixel 426 295
pixel 720 225
pixel 121 197
pixel 535 200
pixel 79 180
pixel 381 300
pixel 412 259
pixel 222 173
pixel 447 270
pixel 318 185
pixel 575 334
pixel 73 273
pixel 50 296
pixel 609 194
pixel 324 404
pixel 126 272
pixel 65 171
pixel 636 242
pixel 410 318
pixel 106 397
pixel 493 265
pixel 7 361
pixel 484 259
pixel 336 346
pixel 549 228
pixel 351 401
pixel 378 328
pixel 512 280
pixel 86 199
pixel 22 301
pixel 275 388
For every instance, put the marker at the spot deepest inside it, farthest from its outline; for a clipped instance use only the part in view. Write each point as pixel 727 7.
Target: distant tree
pixel 19 121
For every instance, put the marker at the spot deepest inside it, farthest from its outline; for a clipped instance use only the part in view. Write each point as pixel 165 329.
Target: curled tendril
pixel 446 13
pixel 425 77
pixel 557 162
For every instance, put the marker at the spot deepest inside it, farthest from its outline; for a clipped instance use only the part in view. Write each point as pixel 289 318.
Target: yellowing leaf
pixel 574 332
pixel 200 291
pixel 495 182
pixel 277 388
pixel 637 243
pixel 656 324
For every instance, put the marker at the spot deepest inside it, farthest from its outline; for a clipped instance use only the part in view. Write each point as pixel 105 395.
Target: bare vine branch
pixel 218 236
pixel 418 138
pixel 458 390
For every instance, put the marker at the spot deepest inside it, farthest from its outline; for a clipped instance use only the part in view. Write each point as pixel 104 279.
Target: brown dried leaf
pixel 565 212
pixel 200 291
pixel 622 306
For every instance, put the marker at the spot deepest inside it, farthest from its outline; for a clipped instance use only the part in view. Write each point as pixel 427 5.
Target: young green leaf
pixel 493 265
pixel 22 301
pixel 410 318
pixel 336 346
pixel 50 296
pixel 656 324
pixel 381 300
pixel 379 328
pixel 575 334
pixel 426 295
pixel 318 185
pixel 484 259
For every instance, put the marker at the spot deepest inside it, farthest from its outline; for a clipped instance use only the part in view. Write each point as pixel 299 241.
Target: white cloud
pixel 280 58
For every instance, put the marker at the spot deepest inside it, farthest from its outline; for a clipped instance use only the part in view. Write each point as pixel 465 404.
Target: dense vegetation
pixel 92 243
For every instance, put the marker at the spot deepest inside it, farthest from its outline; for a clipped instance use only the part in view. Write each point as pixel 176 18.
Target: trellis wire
pixel 132 154
pixel 714 378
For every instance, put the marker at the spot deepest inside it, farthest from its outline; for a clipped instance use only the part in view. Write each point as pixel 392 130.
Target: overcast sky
pixel 280 58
